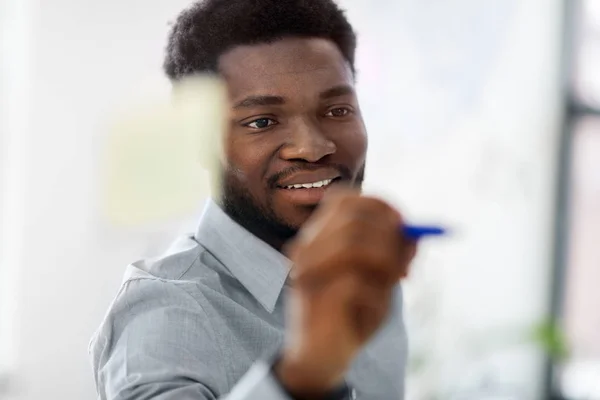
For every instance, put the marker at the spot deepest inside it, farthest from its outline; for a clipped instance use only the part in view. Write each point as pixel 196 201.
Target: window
pixel 578 296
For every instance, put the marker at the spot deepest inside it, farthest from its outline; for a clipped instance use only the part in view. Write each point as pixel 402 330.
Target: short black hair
pixel 206 30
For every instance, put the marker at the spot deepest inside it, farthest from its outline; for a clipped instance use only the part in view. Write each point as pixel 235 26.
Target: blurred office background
pixel 484 115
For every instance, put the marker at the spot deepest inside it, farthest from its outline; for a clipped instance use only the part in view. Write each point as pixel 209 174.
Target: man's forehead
pixel 285 65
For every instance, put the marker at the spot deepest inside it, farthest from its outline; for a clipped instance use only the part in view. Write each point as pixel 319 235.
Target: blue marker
pixel 416 232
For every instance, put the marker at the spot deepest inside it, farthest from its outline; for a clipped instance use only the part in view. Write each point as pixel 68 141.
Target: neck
pixel 276 242
pixel 262 227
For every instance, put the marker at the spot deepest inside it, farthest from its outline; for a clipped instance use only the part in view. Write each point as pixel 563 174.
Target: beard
pixel 260 219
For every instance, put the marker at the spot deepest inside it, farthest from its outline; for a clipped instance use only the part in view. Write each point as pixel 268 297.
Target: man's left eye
pixel 338 112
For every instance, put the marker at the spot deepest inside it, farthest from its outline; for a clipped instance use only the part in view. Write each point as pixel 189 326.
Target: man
pixel 289 288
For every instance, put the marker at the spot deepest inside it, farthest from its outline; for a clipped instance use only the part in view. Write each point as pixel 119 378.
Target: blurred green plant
pixel 552 339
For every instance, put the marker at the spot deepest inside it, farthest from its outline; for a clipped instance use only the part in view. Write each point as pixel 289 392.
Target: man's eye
pixel 338 112
pixel 261 123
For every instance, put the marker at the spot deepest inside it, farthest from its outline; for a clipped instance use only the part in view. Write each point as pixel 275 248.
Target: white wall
pixel 15 54
pixel 461 102
pixel 87 54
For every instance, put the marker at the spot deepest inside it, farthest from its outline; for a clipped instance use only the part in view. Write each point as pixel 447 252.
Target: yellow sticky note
pixel 158 157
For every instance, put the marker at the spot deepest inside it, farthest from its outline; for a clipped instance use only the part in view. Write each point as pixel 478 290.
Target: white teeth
pixel 310 185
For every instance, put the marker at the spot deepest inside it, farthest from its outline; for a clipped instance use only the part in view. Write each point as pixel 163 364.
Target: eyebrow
pixel 337 91
pixel 257 101
pixel 267 100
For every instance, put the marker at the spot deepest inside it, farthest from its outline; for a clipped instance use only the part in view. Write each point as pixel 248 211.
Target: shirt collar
pixel 260 268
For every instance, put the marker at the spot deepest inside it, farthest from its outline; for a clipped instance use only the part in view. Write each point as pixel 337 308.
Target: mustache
pixel 345 173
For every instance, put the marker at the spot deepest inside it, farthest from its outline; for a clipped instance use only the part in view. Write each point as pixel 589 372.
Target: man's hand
pixel 347 259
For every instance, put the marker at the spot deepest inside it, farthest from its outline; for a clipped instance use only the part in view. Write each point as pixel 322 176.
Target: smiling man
pixel 289 288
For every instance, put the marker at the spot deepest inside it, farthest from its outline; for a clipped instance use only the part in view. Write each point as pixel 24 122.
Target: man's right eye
pixel 261 123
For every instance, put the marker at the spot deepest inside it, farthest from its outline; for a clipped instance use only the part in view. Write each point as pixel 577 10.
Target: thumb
pixel 337 192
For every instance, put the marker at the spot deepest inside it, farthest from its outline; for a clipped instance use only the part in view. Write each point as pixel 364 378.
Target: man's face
pixel 295 130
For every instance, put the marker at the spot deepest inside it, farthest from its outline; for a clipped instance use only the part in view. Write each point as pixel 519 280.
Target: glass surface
pixel 580 378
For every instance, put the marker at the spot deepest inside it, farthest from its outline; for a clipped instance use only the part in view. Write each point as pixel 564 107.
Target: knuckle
pixel 346 199
pixel 368 255
pixel 381 256
pixel 353 285
pixel 347 204
pixel 356 230
pixel 377 209
pixel 350 255
pixel 381 261
pixel 357 258
pixel 377 204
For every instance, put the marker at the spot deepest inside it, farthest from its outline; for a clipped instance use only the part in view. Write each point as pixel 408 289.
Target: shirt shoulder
pixel 187 276
pixel 159 330
pixel 186 259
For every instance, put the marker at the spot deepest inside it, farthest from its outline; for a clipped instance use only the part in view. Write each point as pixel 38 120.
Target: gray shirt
pixel 196 323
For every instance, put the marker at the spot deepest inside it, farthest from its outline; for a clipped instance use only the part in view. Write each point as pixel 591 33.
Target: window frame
pixel 574 110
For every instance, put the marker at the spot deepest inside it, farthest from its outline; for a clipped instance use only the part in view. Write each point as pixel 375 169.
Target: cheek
pixel 247 158
pixel 362 145
pixel 352 145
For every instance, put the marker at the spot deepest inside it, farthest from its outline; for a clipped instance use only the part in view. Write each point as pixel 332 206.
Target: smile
pixel 318 184
pixel 306 191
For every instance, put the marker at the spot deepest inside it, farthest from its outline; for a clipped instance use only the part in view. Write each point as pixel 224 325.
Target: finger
pixel 337 192
pixel 353 289
pixel 371 305
pixel 369 207
pixel 409 252
pixel 365 247
pixel 326 214
pixel 363 301
pixel 346 207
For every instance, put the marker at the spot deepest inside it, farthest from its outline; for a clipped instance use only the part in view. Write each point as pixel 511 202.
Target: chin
pixel 298 215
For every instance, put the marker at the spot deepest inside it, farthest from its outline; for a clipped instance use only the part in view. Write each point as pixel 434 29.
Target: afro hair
pixel 209 28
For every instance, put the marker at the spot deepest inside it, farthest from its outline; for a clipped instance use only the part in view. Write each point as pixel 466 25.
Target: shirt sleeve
pixel 156 343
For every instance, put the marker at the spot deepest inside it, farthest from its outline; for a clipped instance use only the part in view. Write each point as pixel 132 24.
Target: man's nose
pixel 306 141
